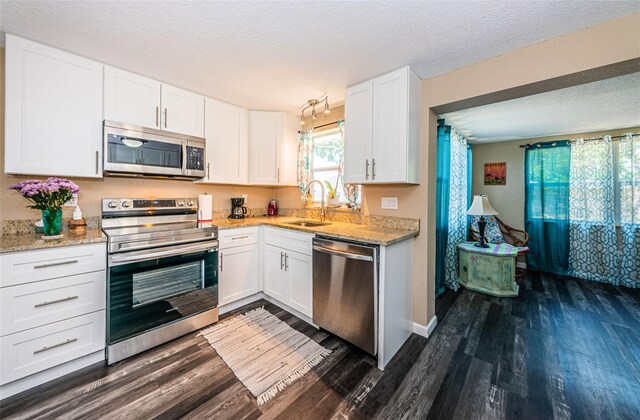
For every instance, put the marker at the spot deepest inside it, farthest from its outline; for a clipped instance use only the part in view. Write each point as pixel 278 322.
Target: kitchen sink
pixel 308 223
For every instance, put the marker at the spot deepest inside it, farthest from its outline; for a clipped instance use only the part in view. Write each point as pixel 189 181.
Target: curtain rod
pixel 587 139
pixel 325 125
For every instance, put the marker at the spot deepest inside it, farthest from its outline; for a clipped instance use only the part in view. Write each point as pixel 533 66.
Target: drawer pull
pixel 240 237
pixel 55 264
pixel 45 348
pixel 39 305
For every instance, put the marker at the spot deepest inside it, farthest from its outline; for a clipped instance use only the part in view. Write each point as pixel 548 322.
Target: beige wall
pixel 509 199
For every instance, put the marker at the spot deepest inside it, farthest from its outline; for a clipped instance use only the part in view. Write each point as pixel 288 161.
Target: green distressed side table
pixel 489 270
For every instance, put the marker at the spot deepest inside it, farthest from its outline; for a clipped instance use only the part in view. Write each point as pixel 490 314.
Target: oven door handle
pixel 119 259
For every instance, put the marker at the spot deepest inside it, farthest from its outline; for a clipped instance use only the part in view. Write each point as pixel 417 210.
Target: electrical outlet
pixel 390 203
pixel 246 199
pixel 72 202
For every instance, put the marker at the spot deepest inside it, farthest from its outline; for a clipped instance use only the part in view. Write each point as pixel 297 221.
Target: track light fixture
pixel 311 103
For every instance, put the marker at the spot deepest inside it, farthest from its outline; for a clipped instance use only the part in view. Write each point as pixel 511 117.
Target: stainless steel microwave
pixel 139 151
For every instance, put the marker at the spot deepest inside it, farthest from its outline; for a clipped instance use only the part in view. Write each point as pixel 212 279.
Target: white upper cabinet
pixel 382 129
pixel 130 98
pixel 358 129
pixel 53 111
pixel 182 111
pixel 227 134
pixel 138 100
pixel 273 148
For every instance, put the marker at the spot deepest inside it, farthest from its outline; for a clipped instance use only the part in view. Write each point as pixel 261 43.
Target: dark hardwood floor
pixel 562 349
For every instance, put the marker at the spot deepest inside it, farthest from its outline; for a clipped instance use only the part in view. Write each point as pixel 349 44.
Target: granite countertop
pixel 339 230
pixel 32 241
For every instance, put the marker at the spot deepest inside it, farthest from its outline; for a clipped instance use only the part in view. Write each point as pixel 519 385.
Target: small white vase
pixel 335 201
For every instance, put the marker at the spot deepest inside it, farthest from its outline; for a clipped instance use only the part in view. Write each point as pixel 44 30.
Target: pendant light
pixel 311 103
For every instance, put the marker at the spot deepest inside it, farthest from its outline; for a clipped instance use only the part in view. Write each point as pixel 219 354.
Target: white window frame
pixel 320 134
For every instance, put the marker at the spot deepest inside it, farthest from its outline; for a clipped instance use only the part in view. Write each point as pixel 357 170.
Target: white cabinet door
pixel 389 146
pixel 276 284
pixel 53 111
pixel 226 131
pixel 238 273
pixel 265 133
pixel 182 111
pixel 357 133
pixel 130 98
pixel 300 273
pixel 289 155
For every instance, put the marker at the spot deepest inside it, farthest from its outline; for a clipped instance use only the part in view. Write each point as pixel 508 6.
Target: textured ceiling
pixel 604 105
pixel 278 54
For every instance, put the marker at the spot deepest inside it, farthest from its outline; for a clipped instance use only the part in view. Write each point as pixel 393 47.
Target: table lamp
pixel 481 207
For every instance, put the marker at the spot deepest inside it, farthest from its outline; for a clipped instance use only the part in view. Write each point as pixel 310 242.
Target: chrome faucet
pixel 306 194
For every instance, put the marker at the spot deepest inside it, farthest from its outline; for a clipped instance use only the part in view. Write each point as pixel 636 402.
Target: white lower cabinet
pixel 238 273
pixel 300 276
pixel 52 314
pixel 288 274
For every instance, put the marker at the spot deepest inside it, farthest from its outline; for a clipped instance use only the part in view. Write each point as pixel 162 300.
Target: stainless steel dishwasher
pixel 345 291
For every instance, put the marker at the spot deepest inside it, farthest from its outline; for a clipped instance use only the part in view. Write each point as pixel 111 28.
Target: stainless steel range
pixel 162 272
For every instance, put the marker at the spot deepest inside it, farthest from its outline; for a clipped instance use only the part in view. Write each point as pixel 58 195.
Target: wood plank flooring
pixel 563 349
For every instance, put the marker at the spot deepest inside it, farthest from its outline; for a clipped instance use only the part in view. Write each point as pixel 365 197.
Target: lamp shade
pixel 481 206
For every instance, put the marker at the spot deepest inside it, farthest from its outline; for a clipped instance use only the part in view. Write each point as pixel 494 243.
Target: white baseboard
pixel 521 265
pixel 425 330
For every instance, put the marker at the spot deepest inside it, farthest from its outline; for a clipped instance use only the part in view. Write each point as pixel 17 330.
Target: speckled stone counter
pixel 33 241
pixel 350 231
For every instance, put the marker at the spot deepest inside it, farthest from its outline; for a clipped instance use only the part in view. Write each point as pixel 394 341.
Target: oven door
pixel 152 288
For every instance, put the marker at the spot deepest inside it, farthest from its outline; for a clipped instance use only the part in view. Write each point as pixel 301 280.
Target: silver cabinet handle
pixel 51 302
pixel 373 168
pixel 55 264
pixel 367 169
pixel 157 116
pixel 281 260
pixel 286 262
pixel 240 237
pixel 278 180
pixel 97 160
pixel 208 171
pixel 45 348
pixel 165 118
pixel 221 262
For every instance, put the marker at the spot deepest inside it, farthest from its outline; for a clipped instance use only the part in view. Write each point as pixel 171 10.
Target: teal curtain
pixel 547 170
pixel 443 175
pixel 305 154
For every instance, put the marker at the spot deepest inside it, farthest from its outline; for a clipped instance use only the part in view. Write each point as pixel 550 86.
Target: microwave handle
pixel 184 157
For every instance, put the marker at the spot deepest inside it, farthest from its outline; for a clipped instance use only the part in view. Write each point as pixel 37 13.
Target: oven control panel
pixel 147 204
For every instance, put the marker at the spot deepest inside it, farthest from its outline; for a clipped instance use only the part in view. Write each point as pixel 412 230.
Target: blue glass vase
pixel 52 221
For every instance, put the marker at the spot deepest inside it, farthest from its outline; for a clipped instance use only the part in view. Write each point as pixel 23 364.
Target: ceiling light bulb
pixel 302 119
pixel 313 113
pixel 327 110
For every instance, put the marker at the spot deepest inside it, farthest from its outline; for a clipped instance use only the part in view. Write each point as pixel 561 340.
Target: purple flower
pixel 50 195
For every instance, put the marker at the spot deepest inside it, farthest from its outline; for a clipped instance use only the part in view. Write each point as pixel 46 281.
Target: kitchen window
pixel 328 152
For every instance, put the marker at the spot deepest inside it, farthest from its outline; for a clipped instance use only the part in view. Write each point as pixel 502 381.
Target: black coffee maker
pixel 238 210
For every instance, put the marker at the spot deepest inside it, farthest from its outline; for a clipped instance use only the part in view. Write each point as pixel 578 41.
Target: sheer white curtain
pixel 457 221
pixel 592 229
pixel 629 192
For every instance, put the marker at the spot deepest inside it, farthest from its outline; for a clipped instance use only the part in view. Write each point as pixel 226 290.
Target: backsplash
pixel 26 226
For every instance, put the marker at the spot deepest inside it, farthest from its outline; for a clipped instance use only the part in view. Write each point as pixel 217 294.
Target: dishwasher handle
pixel 344 254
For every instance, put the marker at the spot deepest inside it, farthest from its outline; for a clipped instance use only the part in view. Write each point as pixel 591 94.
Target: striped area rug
pixel 265 353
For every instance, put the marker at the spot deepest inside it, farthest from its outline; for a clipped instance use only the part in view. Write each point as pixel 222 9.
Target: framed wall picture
pixel 495 173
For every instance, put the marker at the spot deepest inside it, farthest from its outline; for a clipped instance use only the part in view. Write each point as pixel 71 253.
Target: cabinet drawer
pixel 35 350
pixel 237 237
pixel 36 304
pixel 293 241
pixel 30 266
